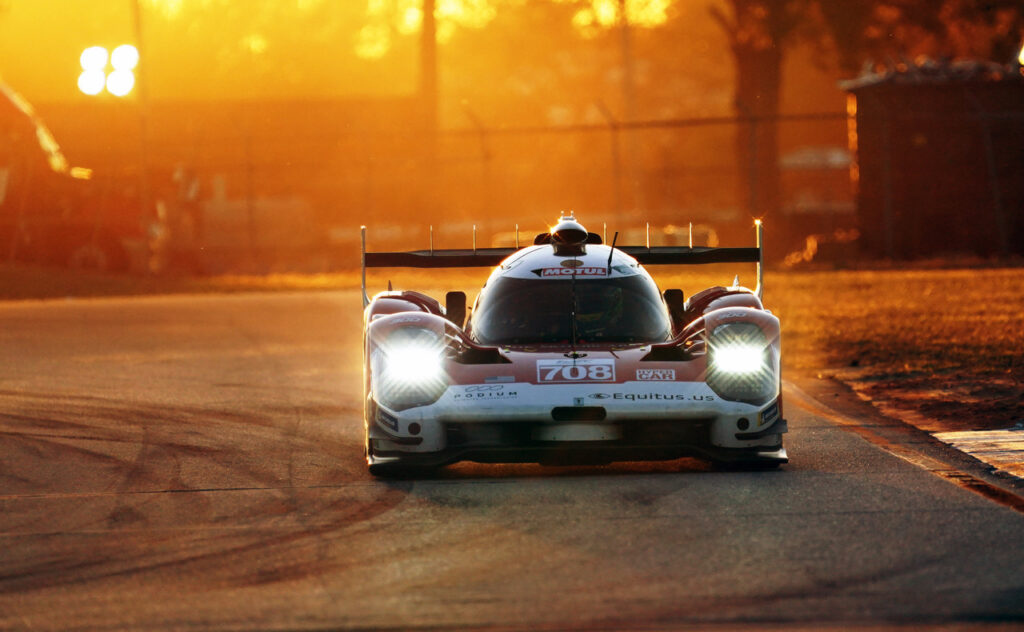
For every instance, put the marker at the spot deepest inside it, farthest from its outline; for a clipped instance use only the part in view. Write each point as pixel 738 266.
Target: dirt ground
pixel 940 348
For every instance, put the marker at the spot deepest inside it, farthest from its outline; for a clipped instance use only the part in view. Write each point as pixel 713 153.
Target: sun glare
pixel 373 41
pixel 405 17
pixel 169 8
pixel 604 14
pixel 473 14
pixel 411 20
pixel 255 43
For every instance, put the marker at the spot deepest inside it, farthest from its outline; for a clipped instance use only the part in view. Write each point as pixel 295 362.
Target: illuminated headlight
pixel 408 369
pixel 415 364
pixel 740 365
pixel 740 358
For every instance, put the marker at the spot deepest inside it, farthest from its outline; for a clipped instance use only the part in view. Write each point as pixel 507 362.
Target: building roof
pixel 932 72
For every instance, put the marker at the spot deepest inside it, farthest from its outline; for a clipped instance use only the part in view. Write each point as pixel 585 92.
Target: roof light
pixel 569 236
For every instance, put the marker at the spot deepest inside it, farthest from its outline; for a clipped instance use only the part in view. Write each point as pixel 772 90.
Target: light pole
pixel 145 195
pixel 428 98
pixel 629 109
pixel 119 73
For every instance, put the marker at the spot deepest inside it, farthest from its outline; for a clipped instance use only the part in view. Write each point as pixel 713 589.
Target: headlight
pixel 740 358
pixel 740 366
pixel 408 369
pixel 415 364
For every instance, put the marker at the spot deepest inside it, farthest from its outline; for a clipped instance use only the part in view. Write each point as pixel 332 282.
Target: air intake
pixel 578 413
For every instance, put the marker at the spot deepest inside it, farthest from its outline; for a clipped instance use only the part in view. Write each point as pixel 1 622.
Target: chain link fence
pixel 263 187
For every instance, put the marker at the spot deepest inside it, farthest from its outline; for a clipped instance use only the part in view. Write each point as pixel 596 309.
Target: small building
pixel 939 160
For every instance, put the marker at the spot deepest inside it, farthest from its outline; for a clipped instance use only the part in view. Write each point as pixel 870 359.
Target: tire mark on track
pixel 139 550
pixel 295 503
pixel 217 534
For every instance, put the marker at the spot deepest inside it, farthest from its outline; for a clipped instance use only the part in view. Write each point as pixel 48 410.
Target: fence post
pixel 993 176
pixel 613 127
pixel 145 186
pixel 752 184
pixel 485 161
pixel 19 224
pixel 888 220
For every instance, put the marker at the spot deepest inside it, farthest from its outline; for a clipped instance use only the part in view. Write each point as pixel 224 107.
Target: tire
pixel 396 471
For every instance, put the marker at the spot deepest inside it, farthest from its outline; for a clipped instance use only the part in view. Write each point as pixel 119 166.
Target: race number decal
pixel 575 371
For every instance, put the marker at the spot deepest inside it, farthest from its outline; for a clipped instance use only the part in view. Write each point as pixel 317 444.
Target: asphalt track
pixel 192 463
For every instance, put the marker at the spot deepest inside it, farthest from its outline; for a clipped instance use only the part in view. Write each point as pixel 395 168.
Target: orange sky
pixel 203 49
pixel 301 49
pixel 215 49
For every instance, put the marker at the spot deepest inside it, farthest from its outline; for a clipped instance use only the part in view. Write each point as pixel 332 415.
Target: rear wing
pixel 490 257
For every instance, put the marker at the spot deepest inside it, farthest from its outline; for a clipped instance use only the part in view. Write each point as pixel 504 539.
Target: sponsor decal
pixel 656 375
pixel 769 415
pixel 571 263
pixel 482 392
pixel 499 379
pixel 575 371
pixel 592 271
pixel 634 397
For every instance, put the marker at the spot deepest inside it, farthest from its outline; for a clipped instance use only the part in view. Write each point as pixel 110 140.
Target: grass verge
pixel 942 349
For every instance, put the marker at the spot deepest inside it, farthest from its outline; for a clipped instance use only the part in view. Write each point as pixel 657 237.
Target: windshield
pixel 623 309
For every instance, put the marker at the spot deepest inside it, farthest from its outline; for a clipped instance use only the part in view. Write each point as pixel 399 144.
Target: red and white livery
pixel 570 355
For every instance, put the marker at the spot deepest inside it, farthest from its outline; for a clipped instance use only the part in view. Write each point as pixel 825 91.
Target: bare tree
pixel 759 31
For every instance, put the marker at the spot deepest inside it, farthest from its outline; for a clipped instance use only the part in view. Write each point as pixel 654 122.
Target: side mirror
pixel 676 306
pixel 455 307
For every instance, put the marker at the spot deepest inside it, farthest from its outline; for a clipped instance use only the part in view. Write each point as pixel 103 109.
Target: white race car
pixel 570 355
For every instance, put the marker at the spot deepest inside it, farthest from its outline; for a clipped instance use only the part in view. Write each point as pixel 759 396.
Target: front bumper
pixel 516 443
pixel 577 424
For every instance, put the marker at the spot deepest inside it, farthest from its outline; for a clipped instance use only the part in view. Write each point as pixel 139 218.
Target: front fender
pixel 766 321
pixel 727 328
pixel 405 359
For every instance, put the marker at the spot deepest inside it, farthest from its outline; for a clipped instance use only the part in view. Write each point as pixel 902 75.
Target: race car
pixel 570 355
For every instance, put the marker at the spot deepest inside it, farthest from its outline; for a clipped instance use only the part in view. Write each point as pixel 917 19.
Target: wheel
pixel 396 471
